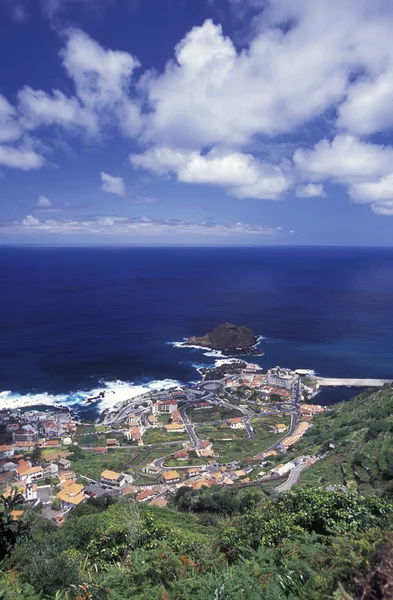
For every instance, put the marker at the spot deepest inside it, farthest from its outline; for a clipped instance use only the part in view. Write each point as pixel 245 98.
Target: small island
pixel 229 339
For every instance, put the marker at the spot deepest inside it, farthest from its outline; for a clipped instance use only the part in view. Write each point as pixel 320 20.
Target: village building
pixel 151 470
pixel 192 472
pixel 205 449
pixel 135 435
pixel 67 476
pixel 176 417
pixel 112 478
pixel 72 494
pixel 280 428
pixel 132 420
pixel 112 442
pixel 152 420
pixel 170 476
pixel 181 455
pixel 236 423
pixel 164 407
pixel 64 463
pixel 174 427
pixel 25 435
pixel 33 473
pixel 6 451
pixel 281 470
pixel 280 377
pixel 145 495
pixel 27 489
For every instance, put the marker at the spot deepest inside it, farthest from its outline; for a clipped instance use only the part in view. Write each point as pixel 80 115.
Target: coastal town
pixel 235 430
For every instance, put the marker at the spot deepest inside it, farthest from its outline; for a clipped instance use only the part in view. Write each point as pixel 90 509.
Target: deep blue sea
pixel 75 321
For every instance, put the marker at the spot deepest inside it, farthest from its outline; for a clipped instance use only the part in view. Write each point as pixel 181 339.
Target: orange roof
pixel 22 471
pixel 71 493
pixel 234 421
pixel 169 475
pixel 76 499
pixel 145 494
pixel 110 475
pixel 51 443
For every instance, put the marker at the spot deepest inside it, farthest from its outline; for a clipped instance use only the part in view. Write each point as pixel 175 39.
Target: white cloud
pixel 39 108
pixel 10 130
pixel 310 190
pixel 20 158
pixel 241 174
pixel 383 208
pixel 44 202
pixel 373 191
pixel 302 61
pixel 143 227
pixel 112 185
pixel 345 159
pixel 366 168
pixel 102 81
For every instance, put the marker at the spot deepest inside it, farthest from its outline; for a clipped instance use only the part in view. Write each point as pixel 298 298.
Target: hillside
pixel 356 439
pixel 312 543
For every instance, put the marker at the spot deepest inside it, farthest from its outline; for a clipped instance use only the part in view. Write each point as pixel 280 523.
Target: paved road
pixel 189 427
pixel 292 479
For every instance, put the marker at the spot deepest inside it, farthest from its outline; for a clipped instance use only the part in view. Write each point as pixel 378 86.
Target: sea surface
pixel 78 321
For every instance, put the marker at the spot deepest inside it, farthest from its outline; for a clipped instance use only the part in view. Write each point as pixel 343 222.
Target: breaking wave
pixel 106 396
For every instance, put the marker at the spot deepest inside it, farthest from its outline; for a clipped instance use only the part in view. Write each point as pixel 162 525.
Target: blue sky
pixel 196 122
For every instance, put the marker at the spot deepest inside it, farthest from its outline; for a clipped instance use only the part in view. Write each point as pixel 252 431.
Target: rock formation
pixel 227 338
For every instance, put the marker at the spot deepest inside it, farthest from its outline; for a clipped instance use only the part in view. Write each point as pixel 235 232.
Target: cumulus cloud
pixel 102 80
pixel 241 174
pixel 202 118
pixel 113 226
pixel 310 190
pixel 20 157
pixel 112 185
pixel 366 168
pixel 10 128
pixel 345 159
pixel 44 202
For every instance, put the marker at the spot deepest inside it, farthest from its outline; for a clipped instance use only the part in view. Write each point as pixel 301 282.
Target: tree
pixel 12 530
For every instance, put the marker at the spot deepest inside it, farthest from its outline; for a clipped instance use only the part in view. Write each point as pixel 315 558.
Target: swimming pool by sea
pixel 76 321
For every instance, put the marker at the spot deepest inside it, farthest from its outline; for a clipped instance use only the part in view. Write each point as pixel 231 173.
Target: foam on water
pixel 115 392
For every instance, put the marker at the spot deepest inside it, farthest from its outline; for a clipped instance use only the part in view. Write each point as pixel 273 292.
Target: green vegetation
pixel 356 439
pixel 225 543
pixel 240 446
pixel 239 544
pixel 215 413
pixel 126 460
pixel 159 435
pixel 220 432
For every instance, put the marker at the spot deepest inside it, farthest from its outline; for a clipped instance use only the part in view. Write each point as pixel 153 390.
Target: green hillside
pixel 356 439
pixel 228 544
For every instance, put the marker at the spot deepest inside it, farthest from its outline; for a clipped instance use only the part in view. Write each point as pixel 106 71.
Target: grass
pixel 127 460
pixel 159 435
pixel 219 433
pixel 240 446
pixel 164 419
pixel 215 413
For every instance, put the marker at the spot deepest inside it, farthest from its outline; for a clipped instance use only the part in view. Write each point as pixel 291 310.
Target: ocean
pixel 78 321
